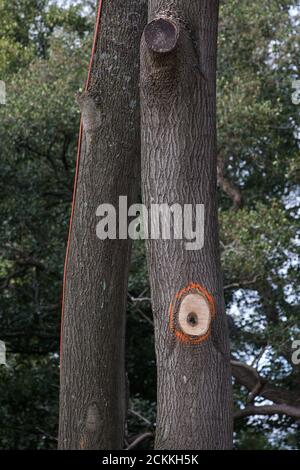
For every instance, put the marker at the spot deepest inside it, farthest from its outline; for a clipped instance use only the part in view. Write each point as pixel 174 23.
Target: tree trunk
pixel 178 103
pixel 92 398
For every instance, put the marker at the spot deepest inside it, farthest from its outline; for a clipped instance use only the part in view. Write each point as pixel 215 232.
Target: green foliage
pixel 27 26
pixel 44 58
pixel 38 134
pixel 258 53
pixel 29 402
pixel 259 143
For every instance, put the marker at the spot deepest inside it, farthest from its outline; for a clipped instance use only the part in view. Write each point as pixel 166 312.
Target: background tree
pixel 260 150
pixel 258 157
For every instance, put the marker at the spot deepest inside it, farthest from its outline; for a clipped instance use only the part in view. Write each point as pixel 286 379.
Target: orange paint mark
pixel 195 289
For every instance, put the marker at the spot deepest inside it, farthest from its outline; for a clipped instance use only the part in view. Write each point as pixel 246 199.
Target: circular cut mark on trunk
pixel 194 315
pixel 161 35
pixel 191 313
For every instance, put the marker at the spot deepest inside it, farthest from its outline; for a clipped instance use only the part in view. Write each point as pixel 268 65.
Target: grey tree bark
pixel 92 396
pixel 179 165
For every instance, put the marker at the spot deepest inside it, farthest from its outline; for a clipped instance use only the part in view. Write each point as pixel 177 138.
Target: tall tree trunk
pixel 178 102
pixel 92 398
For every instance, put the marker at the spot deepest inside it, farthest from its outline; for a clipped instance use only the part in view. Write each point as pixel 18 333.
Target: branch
pixel 268 410
pixel 31 334
pixel 5 281
pixel 138 415
pixel 161 35
pixel 258 386
pixel 245 375
pixel 48 436
pixel 237 285
pixel 135 301
pixel 139 299
pixel 138 440
pixel 227 186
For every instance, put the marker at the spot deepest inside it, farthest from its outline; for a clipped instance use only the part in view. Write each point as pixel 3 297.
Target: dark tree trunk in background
pixel 92 399
pixel 178 103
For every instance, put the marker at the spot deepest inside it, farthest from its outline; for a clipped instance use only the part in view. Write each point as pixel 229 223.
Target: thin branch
pixel 268 410
pixel 139 299
pixel 249 377
pixel 238 285
pixel 47 435
pixel 139 439
pixel 138 415
pixel 227 186
pixel 144 316
pixel 136 301
pixel 5 281
pixel 255 392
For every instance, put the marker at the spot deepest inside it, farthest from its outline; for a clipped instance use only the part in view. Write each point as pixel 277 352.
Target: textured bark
pixel 92 399
pixel 179 165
